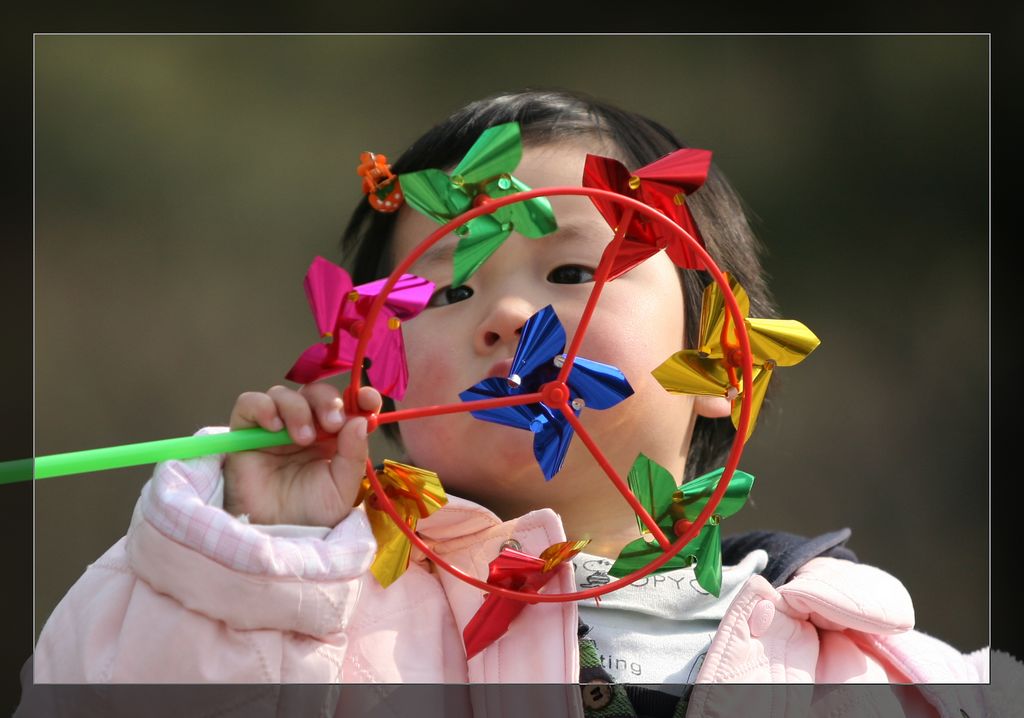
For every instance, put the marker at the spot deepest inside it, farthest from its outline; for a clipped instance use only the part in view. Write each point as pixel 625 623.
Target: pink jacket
pixel 193 595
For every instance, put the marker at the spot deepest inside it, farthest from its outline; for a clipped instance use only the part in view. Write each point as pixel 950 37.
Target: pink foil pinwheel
pixel 664 185
pixel 340 312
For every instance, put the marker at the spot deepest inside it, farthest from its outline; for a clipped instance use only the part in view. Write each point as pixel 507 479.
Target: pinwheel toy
pixel 416 493
pixel 664 185
pixel 340 310
pixel 482 176
pixel 549 384
pixel 675 508
pixel 537 361
pixel 713 368
pixel 518 571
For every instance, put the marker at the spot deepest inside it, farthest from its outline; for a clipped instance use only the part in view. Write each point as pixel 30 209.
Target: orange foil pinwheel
pixel 415 493
pixel 518 571
pixel 663 185
pixel 714 368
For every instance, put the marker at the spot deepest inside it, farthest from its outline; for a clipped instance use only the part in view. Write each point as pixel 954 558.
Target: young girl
pixel 253 567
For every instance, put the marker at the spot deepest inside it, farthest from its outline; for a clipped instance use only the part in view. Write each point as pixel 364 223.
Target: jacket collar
pixel 459 517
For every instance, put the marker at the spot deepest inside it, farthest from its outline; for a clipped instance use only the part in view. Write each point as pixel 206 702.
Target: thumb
pixel 349 465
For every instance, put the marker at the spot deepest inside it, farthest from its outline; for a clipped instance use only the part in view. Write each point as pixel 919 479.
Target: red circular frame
pixel 631 206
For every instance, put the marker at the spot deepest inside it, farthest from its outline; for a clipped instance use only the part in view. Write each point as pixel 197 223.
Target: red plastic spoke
pixel 479 404
pixel 603 270
pixel 621 485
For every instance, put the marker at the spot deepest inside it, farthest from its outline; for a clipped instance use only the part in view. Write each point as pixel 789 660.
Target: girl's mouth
pixel 501 368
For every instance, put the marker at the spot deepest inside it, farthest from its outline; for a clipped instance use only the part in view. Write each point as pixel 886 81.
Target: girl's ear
pixel 712 407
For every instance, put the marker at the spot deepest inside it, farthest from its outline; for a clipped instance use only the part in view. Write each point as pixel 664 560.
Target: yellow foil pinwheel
pixel 715 368
pixel 416 493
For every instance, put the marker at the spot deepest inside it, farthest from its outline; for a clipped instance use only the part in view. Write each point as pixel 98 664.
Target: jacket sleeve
pixel 865 614
pixel 191 594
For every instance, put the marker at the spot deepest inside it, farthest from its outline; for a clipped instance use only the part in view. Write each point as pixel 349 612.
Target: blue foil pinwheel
pixel 537 360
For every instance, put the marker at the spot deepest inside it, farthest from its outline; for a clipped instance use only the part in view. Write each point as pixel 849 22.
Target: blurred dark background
pixel 184 183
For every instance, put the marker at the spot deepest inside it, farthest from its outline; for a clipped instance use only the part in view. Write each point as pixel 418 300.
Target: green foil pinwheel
pixel 484 174
pixel 674 509
pixel 714 368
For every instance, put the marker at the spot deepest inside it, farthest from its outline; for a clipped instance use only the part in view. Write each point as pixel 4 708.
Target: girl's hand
pixel 311 483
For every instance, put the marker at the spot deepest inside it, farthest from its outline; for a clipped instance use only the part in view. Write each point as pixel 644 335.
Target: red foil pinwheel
pixel 518 571
pixel 340 310
pixel 415 493
pixel 664 185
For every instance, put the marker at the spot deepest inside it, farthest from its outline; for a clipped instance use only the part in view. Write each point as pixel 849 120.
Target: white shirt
pixel 657 629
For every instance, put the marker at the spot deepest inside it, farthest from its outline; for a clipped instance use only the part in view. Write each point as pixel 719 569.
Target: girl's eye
pixel 450 295
pixel 571 274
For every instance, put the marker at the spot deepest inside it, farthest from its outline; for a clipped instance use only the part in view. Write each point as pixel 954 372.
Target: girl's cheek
pixel 433 370
pixel 423 381
pixel 635 342
pixel 431 383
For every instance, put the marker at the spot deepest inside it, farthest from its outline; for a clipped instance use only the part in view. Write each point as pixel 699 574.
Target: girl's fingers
pixel 294 409
pixel 301 412
pixel 255 409
pixel 369 399
pixel 349 464
pixel 326 404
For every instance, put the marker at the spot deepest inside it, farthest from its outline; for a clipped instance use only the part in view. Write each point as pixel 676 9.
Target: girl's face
pixel 471 333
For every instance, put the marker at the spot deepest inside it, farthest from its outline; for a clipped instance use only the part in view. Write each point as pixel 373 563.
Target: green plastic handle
pixel 147 452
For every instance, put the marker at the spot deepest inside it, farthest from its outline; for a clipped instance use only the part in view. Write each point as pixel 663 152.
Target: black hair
pixel 547 116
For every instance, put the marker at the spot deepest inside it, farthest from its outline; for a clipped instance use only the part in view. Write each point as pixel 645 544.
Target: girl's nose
pixel 502 325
